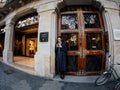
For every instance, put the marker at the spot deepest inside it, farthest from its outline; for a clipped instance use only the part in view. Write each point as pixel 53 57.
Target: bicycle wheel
pixel 117 86
pixel 103 78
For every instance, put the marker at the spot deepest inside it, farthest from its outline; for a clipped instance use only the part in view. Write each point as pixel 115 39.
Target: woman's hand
pixel 59 46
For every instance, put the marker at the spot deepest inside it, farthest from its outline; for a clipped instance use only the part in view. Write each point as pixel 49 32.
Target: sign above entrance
pixel 44 37
pixel 116 34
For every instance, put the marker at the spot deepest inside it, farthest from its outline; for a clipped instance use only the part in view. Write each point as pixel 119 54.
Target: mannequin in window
pixel 31 47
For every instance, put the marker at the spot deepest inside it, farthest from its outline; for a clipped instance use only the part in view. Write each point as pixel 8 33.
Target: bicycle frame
pixel 111 70
pixel 105 76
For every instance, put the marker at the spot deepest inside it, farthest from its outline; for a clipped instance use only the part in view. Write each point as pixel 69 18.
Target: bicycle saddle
pixel 118 63
pixel 109 56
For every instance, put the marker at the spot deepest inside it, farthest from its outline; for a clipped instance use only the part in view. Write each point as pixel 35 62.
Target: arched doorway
pixel 82 29
pixel 25 41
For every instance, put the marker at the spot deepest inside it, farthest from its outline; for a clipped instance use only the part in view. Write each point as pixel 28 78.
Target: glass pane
pixel 94 41
pixel 69 21
pixel 70 40
pixel 72 63
pixel 91 20
pixel 94 63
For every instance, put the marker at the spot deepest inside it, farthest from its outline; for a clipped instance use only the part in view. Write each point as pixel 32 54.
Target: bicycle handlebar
pixel 118 63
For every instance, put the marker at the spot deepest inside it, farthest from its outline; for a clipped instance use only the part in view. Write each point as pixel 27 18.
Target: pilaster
pixel 45 55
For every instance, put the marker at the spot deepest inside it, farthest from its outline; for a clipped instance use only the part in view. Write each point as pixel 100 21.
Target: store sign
pixel 44 37
pixel 116 34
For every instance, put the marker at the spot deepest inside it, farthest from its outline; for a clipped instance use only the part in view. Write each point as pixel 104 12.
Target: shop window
pixel 32 47
pixel 69 21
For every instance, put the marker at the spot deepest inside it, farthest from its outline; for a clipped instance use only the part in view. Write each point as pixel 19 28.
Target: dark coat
pixel 61 57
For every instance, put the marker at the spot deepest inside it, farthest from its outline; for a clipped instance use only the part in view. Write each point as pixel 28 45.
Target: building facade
pixel 90 29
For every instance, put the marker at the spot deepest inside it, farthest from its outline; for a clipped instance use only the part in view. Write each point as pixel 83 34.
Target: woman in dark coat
pixel 61 57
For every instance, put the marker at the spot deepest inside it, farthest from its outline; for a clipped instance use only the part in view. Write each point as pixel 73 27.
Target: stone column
pixel 45 55
pixel 8 44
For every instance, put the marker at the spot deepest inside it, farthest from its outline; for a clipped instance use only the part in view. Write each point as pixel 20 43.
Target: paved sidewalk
pixel 19 80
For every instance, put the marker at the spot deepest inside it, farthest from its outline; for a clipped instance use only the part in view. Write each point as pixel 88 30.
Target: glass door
pixel 84 37
pixel 95 43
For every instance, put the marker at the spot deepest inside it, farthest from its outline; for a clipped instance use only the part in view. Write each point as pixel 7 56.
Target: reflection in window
pixel 93 63
pixel 69 21
pixel 71 41
pixel 91 20
pixel 94 41
pixel 72 63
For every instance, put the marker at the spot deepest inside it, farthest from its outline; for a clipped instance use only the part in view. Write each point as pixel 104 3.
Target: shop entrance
pixel 25 39
pixel 83 32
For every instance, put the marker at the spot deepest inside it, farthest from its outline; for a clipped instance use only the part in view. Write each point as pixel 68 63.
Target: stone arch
pixel 23 12
pixel 94 3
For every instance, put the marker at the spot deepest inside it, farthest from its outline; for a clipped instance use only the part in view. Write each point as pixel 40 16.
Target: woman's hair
pixel 59 37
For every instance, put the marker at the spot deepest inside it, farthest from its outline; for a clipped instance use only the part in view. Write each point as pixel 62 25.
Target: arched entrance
pixel 82 29
pixel 25 41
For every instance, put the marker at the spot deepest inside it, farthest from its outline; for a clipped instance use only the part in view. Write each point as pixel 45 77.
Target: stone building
pixel 90 29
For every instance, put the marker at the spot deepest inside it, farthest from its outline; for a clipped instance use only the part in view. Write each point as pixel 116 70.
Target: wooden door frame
pixel 82 34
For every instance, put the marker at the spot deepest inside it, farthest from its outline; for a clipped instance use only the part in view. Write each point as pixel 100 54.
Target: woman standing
pixel 61 57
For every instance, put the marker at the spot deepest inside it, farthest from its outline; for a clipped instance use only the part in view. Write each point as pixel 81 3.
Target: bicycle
pixel 105 76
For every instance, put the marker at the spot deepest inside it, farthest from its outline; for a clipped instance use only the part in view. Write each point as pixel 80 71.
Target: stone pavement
pixel 19 80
